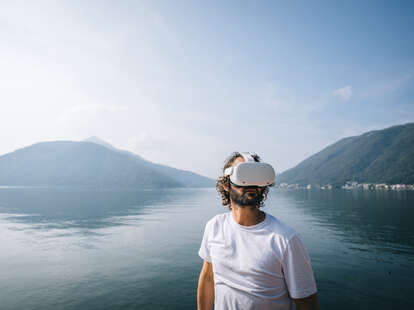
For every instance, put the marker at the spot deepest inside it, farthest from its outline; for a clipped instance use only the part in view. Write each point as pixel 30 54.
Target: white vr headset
pixel 251 173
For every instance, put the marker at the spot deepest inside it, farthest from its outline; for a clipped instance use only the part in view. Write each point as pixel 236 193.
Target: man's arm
pixel 307 303
pixel 205 291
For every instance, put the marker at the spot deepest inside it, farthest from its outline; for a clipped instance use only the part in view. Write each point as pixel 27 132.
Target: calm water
pixel 83 249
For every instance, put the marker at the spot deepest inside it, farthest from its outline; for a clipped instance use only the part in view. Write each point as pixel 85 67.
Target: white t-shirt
pixel 256 267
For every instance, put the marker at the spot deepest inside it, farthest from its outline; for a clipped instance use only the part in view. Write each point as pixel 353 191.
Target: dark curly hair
pixel 225 181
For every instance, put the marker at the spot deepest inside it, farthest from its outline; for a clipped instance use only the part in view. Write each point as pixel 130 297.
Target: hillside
pixel 380 156
pixel 187 178
pixel 70 163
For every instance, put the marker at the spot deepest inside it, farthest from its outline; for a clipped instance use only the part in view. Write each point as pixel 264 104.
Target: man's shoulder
pixel 218 219
pixel 279 228
pixel 215 224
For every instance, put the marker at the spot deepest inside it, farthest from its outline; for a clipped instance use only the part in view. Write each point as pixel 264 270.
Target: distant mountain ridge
pixel 185 176
pixel 99 141
pixel 72 163
pixel 380 156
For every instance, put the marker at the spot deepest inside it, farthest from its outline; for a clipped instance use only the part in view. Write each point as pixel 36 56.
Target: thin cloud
pixel 344 93
pixel 87 110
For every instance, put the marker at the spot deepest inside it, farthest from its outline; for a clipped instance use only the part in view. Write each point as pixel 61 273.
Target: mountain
pixel 190 179
pixel 380 156
pixel 99 141
pixel 70 163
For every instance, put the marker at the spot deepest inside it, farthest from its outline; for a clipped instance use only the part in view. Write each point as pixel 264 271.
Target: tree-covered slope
pixel 381 156
pixel 186 178
pixel 79 164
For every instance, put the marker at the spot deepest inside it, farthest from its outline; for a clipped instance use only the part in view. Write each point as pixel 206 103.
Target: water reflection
pixel 63 212
pixel 81 249
pixel 67 218
pixel 78 249
pixel 365 219
pixel 360 243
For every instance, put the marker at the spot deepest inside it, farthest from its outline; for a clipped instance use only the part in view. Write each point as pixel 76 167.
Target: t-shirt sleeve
pixel 204 251
pixel 297 269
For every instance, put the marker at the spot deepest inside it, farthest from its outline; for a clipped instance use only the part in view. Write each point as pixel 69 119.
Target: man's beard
pixel 245 199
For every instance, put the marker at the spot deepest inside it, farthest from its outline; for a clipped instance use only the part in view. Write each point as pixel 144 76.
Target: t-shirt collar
pixel 253 227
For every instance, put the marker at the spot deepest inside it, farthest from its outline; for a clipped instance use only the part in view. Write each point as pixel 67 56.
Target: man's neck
pixel 247 216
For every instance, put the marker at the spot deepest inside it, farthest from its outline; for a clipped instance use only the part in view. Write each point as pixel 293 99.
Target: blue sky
pixel 185 83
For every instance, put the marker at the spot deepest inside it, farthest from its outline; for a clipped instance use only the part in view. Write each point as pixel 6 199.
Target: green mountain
pixel 380 156
pixel 70 163
pixel 187 178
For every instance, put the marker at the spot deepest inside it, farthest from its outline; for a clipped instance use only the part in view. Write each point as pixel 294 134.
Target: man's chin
pixel 247 206
pixel 248 199
pixel 247 202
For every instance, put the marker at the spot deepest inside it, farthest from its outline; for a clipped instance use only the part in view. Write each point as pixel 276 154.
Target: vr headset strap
pixel 247 157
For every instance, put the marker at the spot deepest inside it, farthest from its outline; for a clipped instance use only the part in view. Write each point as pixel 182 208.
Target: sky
pixel 185 83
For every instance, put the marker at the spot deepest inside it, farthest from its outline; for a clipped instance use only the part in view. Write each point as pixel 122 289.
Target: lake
pixel 67 248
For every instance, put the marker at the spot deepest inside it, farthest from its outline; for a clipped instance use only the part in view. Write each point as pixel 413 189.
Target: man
pixel 251 259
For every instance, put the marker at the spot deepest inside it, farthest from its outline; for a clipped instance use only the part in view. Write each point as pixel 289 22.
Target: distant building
pixel 398 187
pixel 381 186
pixel 350 186
pixel 367 186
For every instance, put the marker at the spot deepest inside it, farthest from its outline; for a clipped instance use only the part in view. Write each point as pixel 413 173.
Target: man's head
pixel 244 196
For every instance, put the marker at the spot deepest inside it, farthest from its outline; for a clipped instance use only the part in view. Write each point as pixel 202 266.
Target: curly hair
pixel 223 181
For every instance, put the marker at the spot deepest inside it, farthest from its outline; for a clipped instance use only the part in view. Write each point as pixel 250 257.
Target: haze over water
pixel 64 248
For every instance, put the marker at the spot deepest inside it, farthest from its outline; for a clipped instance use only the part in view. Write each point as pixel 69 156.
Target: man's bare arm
pixel 205 291
pixel 307 303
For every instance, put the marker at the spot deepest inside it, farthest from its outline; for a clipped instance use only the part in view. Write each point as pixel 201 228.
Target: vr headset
pixel 251 173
